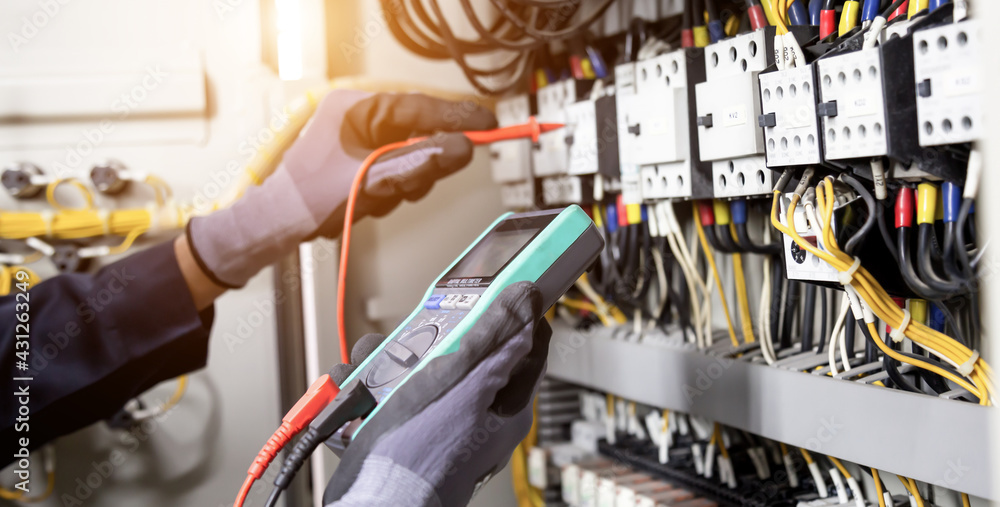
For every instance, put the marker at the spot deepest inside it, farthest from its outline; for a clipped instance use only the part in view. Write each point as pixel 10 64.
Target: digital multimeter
pixel 551 248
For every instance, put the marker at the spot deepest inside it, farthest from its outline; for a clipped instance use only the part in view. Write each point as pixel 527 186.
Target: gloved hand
pixel 307 194
pixel 456 422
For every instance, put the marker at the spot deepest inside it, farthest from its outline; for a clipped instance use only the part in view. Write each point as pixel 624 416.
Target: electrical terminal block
pixel 789 117
pixel 519 195
pixel 949 83
pixel 510 161
pixel 564 190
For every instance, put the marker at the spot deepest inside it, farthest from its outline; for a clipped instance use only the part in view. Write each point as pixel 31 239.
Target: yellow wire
pixel 878 300
pixel 583 305
pixel 732 26
pixel 911 488
pixel 50 487
pixel 743 300
pixel 915 7
pixel 709 256
pixel 878 488
pixel 808 457
pixel 50 193
pixel 717 437
pixel 840 466
pixel 769 12
pixel 179 391
pixel 778 15
pixel 965 500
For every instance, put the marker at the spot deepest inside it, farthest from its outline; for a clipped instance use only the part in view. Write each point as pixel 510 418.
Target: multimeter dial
pixel 400 355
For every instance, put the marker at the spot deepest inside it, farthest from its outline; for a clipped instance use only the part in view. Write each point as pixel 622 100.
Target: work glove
pixel 456 422
pixel 307 194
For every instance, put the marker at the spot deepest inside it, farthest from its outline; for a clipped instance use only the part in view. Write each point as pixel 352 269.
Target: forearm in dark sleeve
pixel 96 341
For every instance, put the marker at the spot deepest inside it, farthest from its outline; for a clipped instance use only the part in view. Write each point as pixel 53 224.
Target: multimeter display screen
pixel 492 253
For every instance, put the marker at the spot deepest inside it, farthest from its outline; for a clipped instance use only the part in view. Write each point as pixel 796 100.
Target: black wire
pixel 747 244
pixel 926 268
pixel 884 231
pixel 272 499
pixel 906 268
pixel 713 12
pixel 547 36
pixel 948 256
pixel 821 343
pixel 791 304
pixel 829 5
pixel 887 362
pixel 697 17
pixel 777 282
pixel 855 241
pixel 726 239
pixel 808 317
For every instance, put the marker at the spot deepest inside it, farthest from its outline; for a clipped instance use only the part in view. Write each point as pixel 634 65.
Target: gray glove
pixel 307 194
pixel 455 423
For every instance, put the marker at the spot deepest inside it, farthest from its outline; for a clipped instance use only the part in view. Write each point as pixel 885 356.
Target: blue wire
pixel 870 10
pixel 937 3
pixel 715 31
pixel 797 14
pixel 815 6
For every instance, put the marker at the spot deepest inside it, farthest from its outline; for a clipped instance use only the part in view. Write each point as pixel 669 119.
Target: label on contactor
pixel 962 81
pixel 862 105
pixel 735 116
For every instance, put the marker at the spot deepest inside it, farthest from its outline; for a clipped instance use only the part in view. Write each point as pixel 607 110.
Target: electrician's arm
pixel 98 340
pixel 203 290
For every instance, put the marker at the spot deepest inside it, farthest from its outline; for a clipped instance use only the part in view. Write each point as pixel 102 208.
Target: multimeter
pixel 551 248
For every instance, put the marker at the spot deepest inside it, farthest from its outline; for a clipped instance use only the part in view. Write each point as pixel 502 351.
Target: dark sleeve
pixel 96 341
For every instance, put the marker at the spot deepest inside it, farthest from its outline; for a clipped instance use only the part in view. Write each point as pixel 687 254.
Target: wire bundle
pixel 869 299
pixel 521 28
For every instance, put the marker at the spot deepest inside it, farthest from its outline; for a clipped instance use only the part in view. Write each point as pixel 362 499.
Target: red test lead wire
pixel 319 395
pixel 530 130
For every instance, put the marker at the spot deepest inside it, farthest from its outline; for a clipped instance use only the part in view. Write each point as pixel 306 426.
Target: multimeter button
pixel 401 355
pixel 383 371
pixel 467 301
pixel 434 302
pixel 449 302
pixel 419 340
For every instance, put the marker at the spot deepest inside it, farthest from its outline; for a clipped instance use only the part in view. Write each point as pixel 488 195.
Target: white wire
pixel 682 259
pixel 763 319
pixel 845 307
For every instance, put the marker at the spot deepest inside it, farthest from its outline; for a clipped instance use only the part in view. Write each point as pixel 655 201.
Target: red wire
pixel 244 491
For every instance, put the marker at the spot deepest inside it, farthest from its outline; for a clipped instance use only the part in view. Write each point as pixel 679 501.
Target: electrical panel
pixel 788 117
pixel 728 104
pixel 949 79
pixel 565 190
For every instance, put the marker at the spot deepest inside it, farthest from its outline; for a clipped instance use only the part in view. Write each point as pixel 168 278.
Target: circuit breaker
pixel 949 83
pixel 728 104
pixel 788 117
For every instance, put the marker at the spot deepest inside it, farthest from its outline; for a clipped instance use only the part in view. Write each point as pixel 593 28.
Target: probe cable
pixel 532 129
pixel 319 395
